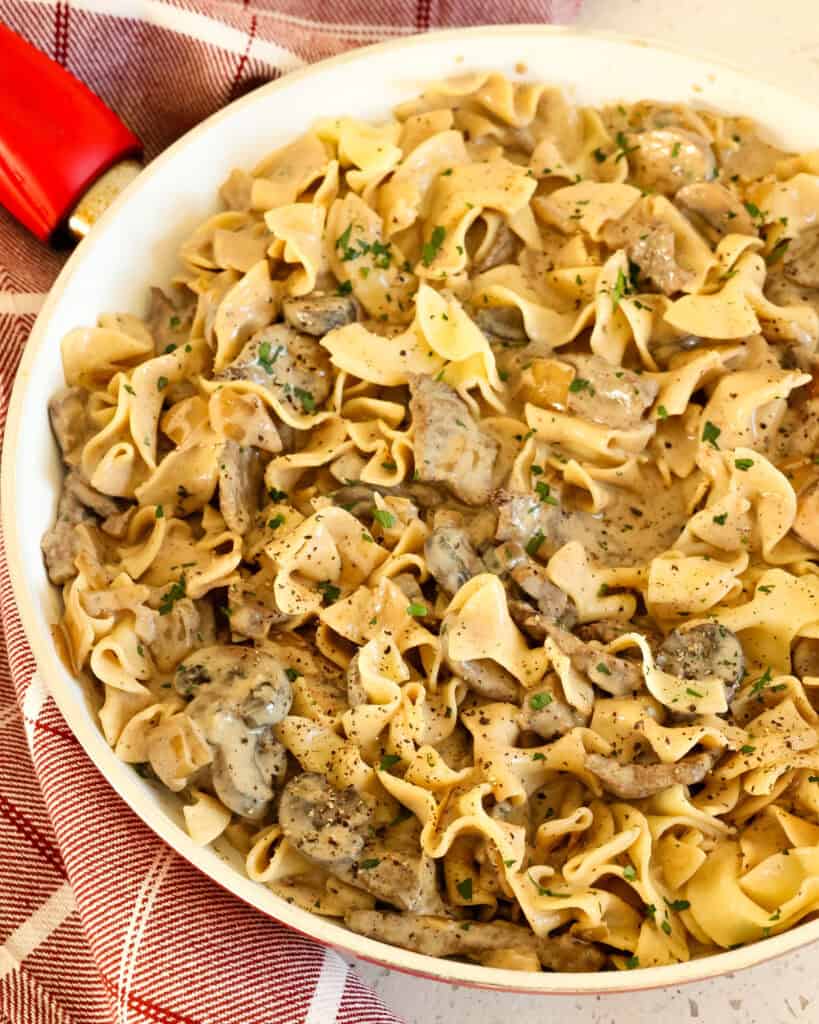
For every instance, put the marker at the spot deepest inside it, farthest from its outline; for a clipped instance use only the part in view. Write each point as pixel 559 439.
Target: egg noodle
pixel 446 535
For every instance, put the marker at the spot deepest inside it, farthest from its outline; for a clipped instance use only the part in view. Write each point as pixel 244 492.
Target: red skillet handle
pixel 56 136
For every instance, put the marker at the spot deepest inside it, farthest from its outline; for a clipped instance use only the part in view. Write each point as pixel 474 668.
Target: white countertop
pixel 779 40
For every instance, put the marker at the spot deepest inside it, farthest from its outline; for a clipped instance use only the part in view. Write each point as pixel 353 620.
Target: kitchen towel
pixel 100 922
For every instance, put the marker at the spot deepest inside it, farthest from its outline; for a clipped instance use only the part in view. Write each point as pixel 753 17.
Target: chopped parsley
pixel 693 693
pixel 599 155
pixel 678 905
pixel 432 247
pixel 175 593
pixel 308 403
pixel 629 873
pixel 747 748
pixel 416 609
pixel 329 591
pixel 743 464
pixel 173 323
pixel 384 518
pixel 632 962
pixel 275 522
pixel 371 862
pixel 675 150
pixel 753 209
pixel 666 926
pixel 602 669
pixel 623 148
pixel 540 701
pixel 389 761
pixel 581 384
pixel 345 287
pixel 161 383
pixel 464 887
pixel 662 412
pixel 620 290
pixel 710 433
pixel 292 674
pixel 160 512
pixel 266 358
pixel 169 348
pixel 543 490
pixel 534 542
pixel 277 495
pixel 762 682
pixel 778 251
pixel 510 862
pixel 720 519
pixel 542 757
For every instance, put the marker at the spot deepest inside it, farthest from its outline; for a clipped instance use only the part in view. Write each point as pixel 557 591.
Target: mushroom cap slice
pixel 451 558
pixel 228 675
pixel 317 314
pixel 709 649
pixel 240 694
pixel 664 161
pixel 330 826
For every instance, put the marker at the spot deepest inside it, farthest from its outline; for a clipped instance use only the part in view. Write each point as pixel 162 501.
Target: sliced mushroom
pixel 709 649
pixel 483 676
pixel 805 657
pixel 552 602
pixel 616 676
pixel 288 362
pixel 655 253
pixel 637 781
pixel 504 248
pixel 68 413
pixel 609 394
pixel 715 210
pixel 318 313
pixel 451 558
pixel 502 323
pixel 241 472
pixel 239 694
pixel 450 447
pixel 359 499
pixel 801 262
pixel 443 936
pixel 546 711
pixel 522 517
pixel 664 161
pixel 327 825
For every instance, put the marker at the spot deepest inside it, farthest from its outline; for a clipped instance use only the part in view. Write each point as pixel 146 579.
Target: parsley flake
pixel 710 433
pixel 534 543
pixel 464 887
pixel 540 701
pixel 371 862
pixel 743 464
pixel 175 593
pixel 432 247
pixel 581 384
pixel 416 609
pixel 329 591
pixel 292 674
pixel 389 761
pixel 384 518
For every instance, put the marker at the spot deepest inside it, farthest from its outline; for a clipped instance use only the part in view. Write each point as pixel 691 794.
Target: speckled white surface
pixel 777 39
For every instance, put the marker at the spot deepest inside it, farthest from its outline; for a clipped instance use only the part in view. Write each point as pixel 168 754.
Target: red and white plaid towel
pixel 99 920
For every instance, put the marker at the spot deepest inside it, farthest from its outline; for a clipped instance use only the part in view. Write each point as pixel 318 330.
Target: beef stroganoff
pixel 447 533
